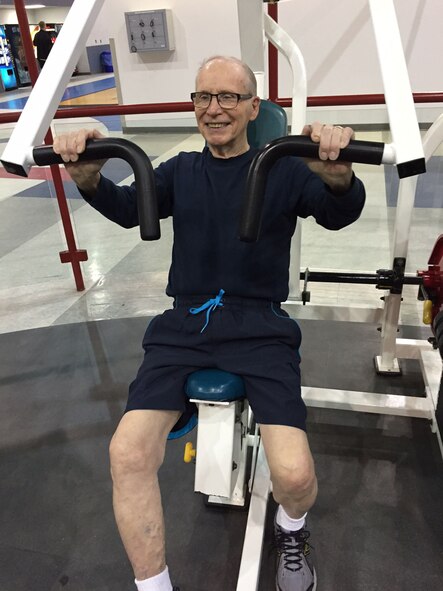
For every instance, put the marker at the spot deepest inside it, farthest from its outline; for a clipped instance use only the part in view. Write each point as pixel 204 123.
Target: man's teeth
pixel 217 124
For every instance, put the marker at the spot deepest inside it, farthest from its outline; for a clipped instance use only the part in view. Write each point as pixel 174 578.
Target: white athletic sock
pixel 287 523
pixel 160 582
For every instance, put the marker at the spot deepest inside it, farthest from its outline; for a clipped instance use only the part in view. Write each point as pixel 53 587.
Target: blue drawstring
pixel 210 306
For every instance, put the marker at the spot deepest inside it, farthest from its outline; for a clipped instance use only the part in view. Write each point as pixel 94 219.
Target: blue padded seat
pixel 208 384
pixel 270 124
pixel 216 385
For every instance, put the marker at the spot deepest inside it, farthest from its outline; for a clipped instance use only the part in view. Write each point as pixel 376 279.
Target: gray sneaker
pixel 294 568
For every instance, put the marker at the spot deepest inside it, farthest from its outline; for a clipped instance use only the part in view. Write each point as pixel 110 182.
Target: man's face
pixel 225 129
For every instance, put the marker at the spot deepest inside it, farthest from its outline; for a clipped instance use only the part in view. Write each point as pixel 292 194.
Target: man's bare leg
pixel 137 452
pixel 294 487
pixel 294 484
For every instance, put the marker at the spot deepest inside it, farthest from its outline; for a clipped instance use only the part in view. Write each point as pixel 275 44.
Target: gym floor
pixel 67 357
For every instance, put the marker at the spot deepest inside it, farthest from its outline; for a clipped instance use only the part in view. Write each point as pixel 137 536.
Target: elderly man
pixel 247 333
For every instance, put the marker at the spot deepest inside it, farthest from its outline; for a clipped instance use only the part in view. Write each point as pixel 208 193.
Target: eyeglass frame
pixel 240 97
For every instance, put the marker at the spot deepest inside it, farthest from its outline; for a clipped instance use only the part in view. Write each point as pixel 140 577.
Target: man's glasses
pixel 226 100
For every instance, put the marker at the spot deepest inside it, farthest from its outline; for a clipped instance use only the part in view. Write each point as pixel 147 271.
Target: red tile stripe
pixel 36 173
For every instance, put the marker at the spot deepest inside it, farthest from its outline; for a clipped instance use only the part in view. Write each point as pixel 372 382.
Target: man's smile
pixel 216 125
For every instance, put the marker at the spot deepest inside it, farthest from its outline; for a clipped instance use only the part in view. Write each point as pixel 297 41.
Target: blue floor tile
pixel 71 92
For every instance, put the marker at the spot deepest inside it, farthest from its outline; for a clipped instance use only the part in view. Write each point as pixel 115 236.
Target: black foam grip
pixel 103 148
pixel 296 145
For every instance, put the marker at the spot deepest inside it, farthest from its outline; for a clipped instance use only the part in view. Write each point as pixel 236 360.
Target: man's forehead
pixel 222 73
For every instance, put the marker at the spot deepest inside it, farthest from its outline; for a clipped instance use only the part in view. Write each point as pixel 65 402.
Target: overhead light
pixel 35 6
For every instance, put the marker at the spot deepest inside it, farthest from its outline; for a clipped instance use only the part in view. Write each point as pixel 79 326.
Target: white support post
pixel 215 448
pixel 237 469
pixel 45 97
pixel 250 565
pixel 409 155
pixel 250 19
pixel 372 402
pixel 399 100
pixel 287 46
pixel 387 362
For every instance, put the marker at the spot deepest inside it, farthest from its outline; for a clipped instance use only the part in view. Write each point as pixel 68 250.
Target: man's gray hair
pixel 251 80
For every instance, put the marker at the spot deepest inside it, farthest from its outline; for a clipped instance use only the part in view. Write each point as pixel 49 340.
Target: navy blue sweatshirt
pixel 204 196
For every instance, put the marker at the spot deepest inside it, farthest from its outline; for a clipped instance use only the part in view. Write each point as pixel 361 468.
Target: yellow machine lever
pixel 427 312
pixel 189 452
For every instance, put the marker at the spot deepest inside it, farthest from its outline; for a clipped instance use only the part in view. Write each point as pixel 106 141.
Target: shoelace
pixel 293 547
pixel 209 306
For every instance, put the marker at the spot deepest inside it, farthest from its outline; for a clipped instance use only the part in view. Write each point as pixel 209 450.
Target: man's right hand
pixel 86 175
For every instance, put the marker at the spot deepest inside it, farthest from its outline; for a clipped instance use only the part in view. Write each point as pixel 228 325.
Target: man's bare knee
pixel 133 457
pixel 294 480
pixel 138 445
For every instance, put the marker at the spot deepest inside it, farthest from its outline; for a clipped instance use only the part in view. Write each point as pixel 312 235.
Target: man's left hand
pixel 331 139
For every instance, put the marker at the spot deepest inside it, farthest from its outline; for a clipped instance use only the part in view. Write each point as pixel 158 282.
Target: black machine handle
pixel 99 149
pixel 295 145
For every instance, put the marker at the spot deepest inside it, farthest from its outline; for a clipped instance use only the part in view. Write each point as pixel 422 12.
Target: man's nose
pixel 213 106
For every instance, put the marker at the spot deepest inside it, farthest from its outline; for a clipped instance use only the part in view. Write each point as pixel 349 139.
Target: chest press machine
pixel 409 154
pixel 225 424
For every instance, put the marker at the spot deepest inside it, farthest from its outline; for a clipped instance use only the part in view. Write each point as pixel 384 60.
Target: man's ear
pixel 255 108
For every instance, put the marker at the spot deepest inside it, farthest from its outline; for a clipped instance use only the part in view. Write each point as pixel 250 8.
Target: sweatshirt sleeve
pixel 310 196
pixel 329 210
pixel 119 203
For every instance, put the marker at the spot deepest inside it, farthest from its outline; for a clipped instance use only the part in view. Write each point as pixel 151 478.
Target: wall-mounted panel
pixel 149 30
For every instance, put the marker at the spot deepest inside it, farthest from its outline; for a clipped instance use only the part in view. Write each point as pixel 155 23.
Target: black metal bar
pixel 296 145
pixel 357 278
pixel 99 149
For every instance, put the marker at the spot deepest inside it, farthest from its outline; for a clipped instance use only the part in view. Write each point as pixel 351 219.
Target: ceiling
pixel 48 3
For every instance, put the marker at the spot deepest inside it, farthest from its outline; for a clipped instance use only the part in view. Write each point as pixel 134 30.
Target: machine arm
pixel 296 145
pixel 100 149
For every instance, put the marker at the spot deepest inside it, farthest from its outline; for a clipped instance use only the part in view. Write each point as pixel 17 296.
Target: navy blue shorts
pixel 255 339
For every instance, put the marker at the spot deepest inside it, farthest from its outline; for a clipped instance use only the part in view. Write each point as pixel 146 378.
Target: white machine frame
pixel 45 97
pixel 217 475
pixel 407 147
pixel 223 438
pixel 222 444
pixel 393 348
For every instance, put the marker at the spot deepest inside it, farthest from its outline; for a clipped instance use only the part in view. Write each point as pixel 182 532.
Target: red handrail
pixel 360 99
pixel 273 59
pixel 146 108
